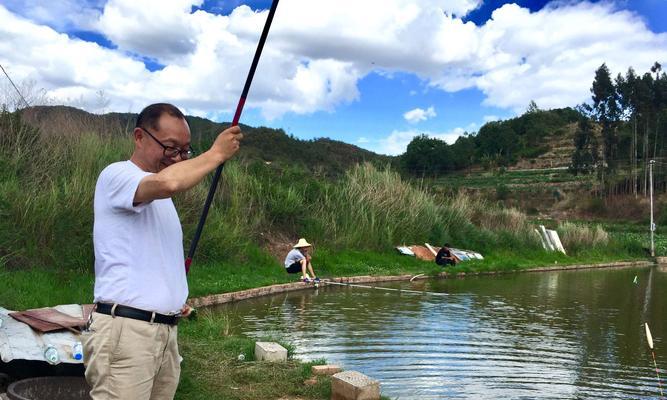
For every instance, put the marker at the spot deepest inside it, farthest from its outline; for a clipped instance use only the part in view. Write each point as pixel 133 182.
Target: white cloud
pixel 318 51
pixel 418 115
pixel 489 118
pixel 397 142
pixel 59 14
pixel 362 140
pixel 54 62
pixel 550 56
pixel 164 30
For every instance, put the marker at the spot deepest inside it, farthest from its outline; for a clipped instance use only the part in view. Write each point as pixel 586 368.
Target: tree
pixel 427 156
pixel 659 100
pixel 497 140
pixel 585 156
pixel 607 112
pixel 532 107
pixel 463 152
pixel 626 88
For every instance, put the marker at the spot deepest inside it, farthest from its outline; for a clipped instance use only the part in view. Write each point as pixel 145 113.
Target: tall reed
pixel 47 184
pixel 577 237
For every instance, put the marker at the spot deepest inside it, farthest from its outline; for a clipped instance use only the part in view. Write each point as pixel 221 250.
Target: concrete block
pixel 352 385
pixel 270 351
pixel 325 369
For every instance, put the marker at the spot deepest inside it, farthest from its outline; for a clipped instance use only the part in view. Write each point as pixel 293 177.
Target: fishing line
pixel 420 292
pixel 649 339
pixel 15 88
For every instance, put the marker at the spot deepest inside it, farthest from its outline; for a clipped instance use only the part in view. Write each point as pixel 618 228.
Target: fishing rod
pixel 235 122
pixel 649 339
pixel 420 292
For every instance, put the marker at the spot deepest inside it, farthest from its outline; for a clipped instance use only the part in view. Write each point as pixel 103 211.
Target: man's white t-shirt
pixel 139 259
pixel 293 256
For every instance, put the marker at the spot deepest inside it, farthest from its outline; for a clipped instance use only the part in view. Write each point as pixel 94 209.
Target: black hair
pixel 149 116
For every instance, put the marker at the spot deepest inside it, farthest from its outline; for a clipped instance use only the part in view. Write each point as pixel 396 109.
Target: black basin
pixel 50 388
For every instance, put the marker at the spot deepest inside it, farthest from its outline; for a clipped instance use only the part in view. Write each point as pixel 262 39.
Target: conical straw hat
pixel 302 243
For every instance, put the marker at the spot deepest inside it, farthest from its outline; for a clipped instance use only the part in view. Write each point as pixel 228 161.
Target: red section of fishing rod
pixel 235 121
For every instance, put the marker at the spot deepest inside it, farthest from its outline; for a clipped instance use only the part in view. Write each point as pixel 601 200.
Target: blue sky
pixel 372 73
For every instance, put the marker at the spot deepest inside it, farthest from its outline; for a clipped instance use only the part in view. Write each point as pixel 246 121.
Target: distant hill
pixel 325 156
pixel 536 139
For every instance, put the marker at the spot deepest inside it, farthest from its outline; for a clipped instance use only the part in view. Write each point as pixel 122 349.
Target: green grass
pixel 212 370
pixel 638 233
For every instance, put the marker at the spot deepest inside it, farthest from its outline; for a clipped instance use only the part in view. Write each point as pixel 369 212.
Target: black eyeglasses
pixel 169 151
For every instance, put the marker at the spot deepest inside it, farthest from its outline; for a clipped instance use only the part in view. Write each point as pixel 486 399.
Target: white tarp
pixel 405 250
pixel 18 341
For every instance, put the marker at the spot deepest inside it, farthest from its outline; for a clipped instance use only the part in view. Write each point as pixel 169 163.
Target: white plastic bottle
pixel 77 351
pixel 51 354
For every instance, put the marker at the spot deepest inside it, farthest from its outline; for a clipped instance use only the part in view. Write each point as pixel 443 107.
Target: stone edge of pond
pixel 222 298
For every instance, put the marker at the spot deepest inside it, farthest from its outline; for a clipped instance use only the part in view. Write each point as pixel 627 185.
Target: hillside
pixel 323 156
pixel 558 149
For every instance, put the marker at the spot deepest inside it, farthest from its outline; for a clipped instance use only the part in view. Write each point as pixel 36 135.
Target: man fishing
pixel 131 348
pixel 444 256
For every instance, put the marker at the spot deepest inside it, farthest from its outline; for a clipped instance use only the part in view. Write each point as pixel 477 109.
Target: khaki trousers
pixel 130 359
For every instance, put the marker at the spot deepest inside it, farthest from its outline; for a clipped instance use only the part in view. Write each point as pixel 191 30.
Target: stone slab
pixel 353 385
pixel 325 369
pixel 270 351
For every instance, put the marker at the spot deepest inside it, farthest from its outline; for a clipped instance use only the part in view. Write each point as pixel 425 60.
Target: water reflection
pixel 568 334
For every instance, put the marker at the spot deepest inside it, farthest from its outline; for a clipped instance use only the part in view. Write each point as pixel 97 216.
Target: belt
pixel 117 310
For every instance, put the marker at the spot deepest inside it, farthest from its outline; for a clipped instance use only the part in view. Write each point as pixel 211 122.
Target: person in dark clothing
pixel 445 256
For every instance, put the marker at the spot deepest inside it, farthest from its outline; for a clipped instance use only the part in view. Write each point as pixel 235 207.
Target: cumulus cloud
pixel 418 115
pixel 163 30
pixel 318 51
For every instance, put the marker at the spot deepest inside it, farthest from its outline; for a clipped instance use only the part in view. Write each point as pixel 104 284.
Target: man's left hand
pixel 186 311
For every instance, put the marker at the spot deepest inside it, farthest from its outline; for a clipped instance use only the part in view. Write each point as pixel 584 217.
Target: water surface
pixel 554 335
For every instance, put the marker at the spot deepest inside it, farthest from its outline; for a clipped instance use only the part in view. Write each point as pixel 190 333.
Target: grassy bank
pixel 41 287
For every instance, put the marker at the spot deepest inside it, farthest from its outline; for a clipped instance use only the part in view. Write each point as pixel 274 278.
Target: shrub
pixel 596 206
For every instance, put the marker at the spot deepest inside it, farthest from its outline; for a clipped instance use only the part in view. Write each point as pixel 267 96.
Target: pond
pixel 550 335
